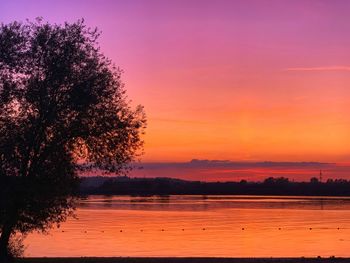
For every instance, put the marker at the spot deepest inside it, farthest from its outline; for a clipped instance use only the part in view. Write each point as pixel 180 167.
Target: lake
pixel 213 226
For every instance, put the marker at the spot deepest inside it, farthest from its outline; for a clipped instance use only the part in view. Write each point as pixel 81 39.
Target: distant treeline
pixel 169 186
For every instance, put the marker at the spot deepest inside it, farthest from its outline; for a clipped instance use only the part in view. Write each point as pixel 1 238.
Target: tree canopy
pixel 63 108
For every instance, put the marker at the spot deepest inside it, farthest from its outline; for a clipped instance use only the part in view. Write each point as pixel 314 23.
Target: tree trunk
pixel 4 243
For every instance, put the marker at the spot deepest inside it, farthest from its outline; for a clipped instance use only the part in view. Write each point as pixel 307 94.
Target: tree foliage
pixel 63 108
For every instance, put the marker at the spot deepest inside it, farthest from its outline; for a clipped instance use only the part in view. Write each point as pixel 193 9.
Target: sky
pixel 243 80
pixel 213 171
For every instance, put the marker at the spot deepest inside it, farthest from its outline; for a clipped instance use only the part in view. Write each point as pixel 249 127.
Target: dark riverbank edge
pixel 168 186
pixel 181 260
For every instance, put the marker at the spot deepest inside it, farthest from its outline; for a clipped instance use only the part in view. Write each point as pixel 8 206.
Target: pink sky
pixel 240 80
pixel 204 170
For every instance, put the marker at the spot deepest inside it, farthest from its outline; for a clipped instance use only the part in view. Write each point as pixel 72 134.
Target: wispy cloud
pixel 328 68
pixel 178 121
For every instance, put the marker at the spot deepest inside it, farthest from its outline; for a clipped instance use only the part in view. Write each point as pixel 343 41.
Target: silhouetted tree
pixel 314 180
pixel 62 104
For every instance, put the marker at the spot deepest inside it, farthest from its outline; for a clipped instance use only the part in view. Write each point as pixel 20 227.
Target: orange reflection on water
pixel 201 226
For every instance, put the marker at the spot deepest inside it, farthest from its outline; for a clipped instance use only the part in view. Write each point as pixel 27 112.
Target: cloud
pixel 226 170
pixel 328 68
pixel 179 121
pixel 204 164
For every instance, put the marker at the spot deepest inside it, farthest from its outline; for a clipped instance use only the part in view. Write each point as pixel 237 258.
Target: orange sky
pixel 240 80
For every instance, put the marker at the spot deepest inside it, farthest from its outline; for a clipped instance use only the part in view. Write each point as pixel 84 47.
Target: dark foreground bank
pixel 183 260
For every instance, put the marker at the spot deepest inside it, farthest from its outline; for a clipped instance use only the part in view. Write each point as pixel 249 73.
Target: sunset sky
pixel 240 80
pixel 252 96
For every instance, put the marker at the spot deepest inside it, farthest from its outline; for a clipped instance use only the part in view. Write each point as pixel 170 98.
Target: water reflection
pixel 201 226
pixel 216 202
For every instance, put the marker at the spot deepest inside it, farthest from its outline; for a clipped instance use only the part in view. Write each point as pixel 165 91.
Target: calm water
pixel 236 226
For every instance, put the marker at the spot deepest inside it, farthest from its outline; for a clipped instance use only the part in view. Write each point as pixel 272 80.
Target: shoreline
pixel 181 260
pixel 273 186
